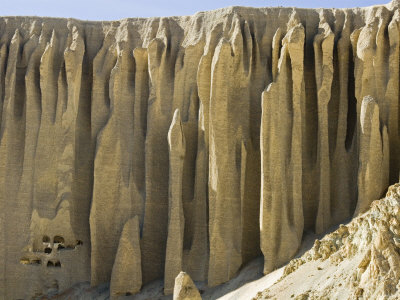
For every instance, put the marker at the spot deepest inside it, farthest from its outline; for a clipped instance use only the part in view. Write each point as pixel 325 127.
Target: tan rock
pixel 224 180
pixel 126 278
pixel 373 176
pixel 176 219
pixel 184 288
pixel 323 52
pixel 281 130
pixel 114 155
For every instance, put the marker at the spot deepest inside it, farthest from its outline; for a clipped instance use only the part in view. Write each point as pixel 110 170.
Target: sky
pixel 119 9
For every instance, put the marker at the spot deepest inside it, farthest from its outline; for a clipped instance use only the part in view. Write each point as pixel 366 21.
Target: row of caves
pixel 38 261
pixel 189 143
pixel 49 252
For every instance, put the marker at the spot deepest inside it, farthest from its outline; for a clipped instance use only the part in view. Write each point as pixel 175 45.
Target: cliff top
pixel 217 12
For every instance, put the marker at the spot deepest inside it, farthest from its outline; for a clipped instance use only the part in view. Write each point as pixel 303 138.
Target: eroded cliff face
pixel 188 143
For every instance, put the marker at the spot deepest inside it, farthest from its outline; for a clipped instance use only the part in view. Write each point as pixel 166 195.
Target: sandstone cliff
pixel 188 143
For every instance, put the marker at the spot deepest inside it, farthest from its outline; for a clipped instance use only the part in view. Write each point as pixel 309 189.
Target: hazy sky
pixel 118 9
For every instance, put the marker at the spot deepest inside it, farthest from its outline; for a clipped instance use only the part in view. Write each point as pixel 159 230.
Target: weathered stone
pixel 126 278
pixel 373 173
pixel 281 215
pixel 176 219
pixel 184 288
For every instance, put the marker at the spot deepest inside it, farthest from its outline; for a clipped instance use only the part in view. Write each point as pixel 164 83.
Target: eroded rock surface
pixel 359 260
pixel 184 288
pixel 275 135
pixel 126 276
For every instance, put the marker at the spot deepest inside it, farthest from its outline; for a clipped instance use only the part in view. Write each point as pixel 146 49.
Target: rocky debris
pixel 363 255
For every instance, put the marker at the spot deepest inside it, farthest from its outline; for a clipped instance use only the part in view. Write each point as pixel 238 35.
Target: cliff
pixel 188 143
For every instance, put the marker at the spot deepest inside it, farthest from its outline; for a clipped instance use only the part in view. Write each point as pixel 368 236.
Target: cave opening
pixel 58 239
pixel 24 261
pixel 36 261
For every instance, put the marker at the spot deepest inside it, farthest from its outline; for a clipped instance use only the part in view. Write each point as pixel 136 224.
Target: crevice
pixel 352 105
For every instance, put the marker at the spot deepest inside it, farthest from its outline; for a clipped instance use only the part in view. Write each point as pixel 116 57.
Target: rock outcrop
pixel 223 135
pixel 373 173
pixel 184 288
pixel 176 219
pixel 126 276
pixel 281 216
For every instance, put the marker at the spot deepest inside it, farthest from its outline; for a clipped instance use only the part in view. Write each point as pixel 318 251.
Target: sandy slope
pixel 358 261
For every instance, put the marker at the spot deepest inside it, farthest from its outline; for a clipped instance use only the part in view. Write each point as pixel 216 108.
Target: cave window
pixel 24 261
pixel 58 239
pixel 57 264
pixel 46 239
pixel 36 262
pixel 50 264
pixel 47 250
